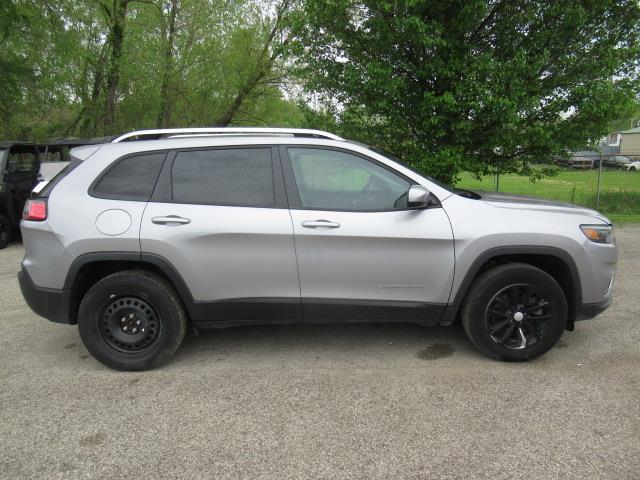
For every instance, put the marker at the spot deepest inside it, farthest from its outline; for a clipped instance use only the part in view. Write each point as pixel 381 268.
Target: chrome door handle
pixel 320 224
pixel 170 219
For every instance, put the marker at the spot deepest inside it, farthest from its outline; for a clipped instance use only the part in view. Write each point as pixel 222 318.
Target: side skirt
pixel 255 311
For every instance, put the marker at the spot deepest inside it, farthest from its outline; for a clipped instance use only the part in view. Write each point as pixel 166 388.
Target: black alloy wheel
pixel 518 316
pixel 515 312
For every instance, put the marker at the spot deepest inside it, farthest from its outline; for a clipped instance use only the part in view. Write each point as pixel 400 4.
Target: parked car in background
pixel 584 159
pixel 136 240
pixel 616 161
pixel 22 166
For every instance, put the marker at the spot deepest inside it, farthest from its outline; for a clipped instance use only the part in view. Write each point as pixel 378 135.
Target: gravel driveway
pixel 324 401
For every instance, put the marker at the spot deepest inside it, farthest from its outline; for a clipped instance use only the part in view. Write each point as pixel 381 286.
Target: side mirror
pixel 418 197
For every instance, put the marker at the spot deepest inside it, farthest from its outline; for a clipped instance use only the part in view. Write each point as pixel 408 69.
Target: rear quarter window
pixel 131 178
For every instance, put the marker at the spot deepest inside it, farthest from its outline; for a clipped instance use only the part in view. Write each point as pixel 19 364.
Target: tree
pixel 482 85
pixel 261 73
pixel 169 34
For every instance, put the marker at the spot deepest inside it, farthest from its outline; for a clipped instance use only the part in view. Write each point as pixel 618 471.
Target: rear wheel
pixel 515 312
pixel 5 231
pixel 132 320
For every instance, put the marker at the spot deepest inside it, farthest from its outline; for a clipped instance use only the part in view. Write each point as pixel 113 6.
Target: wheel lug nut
pixel 131 315
pixel 138 322
pixel 123 320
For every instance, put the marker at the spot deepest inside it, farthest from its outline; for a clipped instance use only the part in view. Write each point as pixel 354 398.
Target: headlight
pixel 598 233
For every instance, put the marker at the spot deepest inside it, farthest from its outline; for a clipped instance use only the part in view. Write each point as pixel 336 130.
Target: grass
pixel 619 190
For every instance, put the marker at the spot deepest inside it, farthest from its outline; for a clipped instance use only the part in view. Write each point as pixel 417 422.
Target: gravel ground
pixel 324 401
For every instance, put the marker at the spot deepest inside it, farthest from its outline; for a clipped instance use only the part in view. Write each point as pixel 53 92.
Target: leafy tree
pixel 72 67
pixel 483 85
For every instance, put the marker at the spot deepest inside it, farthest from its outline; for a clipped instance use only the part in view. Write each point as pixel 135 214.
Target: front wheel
pixel 515 312
pixel 132 320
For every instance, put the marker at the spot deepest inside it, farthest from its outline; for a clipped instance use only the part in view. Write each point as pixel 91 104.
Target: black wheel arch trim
pixel 195 310
pixel 454 307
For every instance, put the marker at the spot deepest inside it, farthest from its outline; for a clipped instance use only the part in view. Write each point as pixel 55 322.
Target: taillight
pixel 35 210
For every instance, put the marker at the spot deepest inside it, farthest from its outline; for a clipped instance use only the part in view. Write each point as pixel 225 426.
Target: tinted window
pixel 132 178
pixel 21 160
pixel 240 177
pixel 334 180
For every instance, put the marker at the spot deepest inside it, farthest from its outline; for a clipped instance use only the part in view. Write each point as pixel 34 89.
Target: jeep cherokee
pixel 138 238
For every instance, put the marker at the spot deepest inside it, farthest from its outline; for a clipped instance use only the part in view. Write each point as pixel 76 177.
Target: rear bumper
pixel 50 303
pixel 587 311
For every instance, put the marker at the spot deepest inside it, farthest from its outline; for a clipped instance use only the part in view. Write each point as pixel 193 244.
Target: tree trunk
pixel 116 41
pixel 263 68
pixel 166 99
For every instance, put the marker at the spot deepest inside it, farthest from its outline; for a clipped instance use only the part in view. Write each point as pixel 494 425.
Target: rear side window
pixel 132 178
pixel 238 176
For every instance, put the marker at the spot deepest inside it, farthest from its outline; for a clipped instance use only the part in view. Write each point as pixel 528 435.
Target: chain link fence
pixel 610 183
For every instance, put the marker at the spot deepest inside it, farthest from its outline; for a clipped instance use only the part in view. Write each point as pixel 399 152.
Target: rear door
pixel 219 216
pixel 362 254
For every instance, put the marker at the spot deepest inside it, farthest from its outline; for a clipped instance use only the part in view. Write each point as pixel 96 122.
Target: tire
pixel 515 293
pixel 6 231
pixel 632 169
pixel 132 320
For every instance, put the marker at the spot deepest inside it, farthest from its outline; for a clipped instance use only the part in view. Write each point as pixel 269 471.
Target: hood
pixel 507 200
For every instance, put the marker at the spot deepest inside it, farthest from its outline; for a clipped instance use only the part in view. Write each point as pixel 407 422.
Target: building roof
pixel 632 130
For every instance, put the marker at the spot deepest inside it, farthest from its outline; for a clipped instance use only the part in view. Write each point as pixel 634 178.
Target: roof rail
pixel 157 134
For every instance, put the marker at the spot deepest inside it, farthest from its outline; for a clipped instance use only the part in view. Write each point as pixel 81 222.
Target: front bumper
pixel 50 303
pixel 587 311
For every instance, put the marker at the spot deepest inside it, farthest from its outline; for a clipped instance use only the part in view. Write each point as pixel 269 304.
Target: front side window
pixel 236 176
pixel 132 178
pixel 336 180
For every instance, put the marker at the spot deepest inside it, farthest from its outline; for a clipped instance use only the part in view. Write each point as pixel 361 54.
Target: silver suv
pixel 135 240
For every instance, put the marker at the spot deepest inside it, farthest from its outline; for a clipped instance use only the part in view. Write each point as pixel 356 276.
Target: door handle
pixel 320 224
pixel 170 219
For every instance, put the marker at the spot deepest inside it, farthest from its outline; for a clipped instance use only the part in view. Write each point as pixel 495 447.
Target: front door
pixel 219 216
pixel 362 254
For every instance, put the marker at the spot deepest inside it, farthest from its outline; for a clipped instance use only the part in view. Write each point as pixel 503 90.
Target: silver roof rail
pixel 160 133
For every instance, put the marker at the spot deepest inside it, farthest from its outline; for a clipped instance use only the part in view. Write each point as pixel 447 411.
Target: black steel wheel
pixel 132 320
pixel 515 312
pixel 130 324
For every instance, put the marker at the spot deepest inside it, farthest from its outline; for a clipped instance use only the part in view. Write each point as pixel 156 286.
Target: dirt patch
pixel 93 440
pixel 436 351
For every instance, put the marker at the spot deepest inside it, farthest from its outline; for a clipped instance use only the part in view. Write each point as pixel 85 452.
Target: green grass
pixel 624 219
pixel 619 190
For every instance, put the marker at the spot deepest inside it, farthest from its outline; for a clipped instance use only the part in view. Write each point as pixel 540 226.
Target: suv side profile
pixel 136 239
